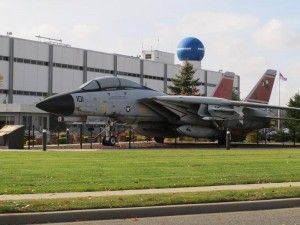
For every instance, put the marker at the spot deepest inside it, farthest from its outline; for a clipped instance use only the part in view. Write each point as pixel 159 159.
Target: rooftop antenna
pixel 52 40
pixel 48 38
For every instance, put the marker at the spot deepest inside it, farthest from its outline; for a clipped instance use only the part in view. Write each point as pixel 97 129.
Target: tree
pixel 184 83
pixel 293 125
pixel 236 95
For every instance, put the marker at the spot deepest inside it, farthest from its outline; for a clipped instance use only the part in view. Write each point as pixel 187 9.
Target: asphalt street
pixel 290 216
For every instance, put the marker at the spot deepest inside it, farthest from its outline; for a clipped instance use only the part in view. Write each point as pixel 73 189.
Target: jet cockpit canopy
pixel 110 83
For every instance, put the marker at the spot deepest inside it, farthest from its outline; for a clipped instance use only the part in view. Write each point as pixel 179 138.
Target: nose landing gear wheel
pixel 111 141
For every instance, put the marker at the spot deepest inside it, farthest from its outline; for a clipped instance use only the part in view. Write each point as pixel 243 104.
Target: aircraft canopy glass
pixel 110 83
pixel 91 85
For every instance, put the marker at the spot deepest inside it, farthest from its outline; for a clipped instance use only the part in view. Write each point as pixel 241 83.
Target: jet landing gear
pixel 109 139
pixel 159 140
pixel 222 137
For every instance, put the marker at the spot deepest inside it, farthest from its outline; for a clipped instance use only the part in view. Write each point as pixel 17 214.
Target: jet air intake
pixel 197 131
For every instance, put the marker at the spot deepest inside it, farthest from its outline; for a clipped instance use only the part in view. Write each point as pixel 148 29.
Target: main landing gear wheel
pixel 222 138
pixel 159 140
pixel 111 141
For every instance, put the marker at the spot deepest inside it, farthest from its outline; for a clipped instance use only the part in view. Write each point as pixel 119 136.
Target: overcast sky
pixel 246 37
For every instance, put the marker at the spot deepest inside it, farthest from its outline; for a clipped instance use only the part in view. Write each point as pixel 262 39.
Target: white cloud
pixel 83 33
pixel 275 35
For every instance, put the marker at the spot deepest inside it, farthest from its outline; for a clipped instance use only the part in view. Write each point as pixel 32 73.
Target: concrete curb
pixel 41 196
pixel 122 213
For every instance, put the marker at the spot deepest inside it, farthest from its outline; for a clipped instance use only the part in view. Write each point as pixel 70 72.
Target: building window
pixel 148 56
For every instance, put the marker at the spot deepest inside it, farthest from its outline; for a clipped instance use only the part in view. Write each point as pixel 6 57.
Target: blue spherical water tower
pixel 190 49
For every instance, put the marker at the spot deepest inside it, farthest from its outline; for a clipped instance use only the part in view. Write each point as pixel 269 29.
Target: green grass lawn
pixel 36 172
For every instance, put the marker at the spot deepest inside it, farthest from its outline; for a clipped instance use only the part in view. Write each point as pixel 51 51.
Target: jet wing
pixel 173 111
pixel 218 102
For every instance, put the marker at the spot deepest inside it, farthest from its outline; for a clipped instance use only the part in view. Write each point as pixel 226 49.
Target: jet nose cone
pixel 58 104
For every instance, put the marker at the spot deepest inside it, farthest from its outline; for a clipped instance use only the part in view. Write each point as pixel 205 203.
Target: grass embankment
pixel 38 172
pixel 146 200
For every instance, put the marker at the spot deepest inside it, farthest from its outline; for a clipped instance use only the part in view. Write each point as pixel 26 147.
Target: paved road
pixel 289 216
pixel 145 191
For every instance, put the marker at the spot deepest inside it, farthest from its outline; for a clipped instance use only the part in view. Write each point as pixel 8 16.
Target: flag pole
pixel 279 102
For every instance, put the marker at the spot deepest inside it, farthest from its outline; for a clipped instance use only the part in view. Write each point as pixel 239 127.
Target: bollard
pixel 67 136
pixel 81 133
pixel 58 137
pixel 294 137
pixel 44 139
pixel 257 136
pixel 228 140
pixel 130 133
pixel 33 136
pixel 28 138
pixel 91 138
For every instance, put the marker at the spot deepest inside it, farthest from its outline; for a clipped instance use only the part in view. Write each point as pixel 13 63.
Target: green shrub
pixel 31 141
pixel 62 140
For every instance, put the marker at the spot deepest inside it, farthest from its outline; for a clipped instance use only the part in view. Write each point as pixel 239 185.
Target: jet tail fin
pixel 225 86
pixel 262 90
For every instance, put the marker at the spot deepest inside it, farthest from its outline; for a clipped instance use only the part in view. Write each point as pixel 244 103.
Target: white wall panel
pixel 236 81
pixel 154 84
pixel 100 60
pixel 201 90
pixel 200 74
pixel 213 77
pixel 168 84
pixel 29 77
pixel 3 98
pixel 210 91
pixel 4 46
pixel 26 99
pixel 31 50
pixel 67 55
pixel 66 79
pixel 173 70
pixel 4 76
pixel 135 79
pixel 128 64
pixel 153 68
pixel 93 75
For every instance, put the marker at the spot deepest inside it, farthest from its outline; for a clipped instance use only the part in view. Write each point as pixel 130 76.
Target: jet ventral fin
pixel 262 91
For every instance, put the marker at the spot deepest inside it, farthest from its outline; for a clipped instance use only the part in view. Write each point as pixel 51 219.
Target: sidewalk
pixel 144 191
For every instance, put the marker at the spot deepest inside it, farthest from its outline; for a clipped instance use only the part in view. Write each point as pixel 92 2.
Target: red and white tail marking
pixel 225 86
pixel 262 91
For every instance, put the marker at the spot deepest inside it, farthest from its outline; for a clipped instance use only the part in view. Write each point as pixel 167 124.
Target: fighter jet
pixel 155 114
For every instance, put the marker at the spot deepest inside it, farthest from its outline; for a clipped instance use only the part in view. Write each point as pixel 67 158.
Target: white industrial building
pixel 31 70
